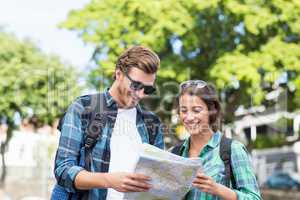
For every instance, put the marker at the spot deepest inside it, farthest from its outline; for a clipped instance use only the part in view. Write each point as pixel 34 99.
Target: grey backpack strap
pixel 177 149
pixel 225 154
pixel 152 124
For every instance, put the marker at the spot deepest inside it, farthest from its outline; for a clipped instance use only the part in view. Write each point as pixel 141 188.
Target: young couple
pixel 125 128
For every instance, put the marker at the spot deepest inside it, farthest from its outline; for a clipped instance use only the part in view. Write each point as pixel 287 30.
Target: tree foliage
pixel 32 82
pixel 245 47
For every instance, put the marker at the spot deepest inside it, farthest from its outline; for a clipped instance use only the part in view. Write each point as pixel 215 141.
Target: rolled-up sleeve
pixel 68 152
pixel 246 184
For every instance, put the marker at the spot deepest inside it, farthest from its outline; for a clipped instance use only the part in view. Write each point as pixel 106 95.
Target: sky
pixel 38 19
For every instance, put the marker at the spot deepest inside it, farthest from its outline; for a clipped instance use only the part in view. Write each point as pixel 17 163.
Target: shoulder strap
pixel 177 149
pixel 152 124
pixel 60 122
pixel 96 123
pixel 225 154
pixel 93 119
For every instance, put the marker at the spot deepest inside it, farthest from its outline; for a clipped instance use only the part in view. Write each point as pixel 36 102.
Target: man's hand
pixel 128 182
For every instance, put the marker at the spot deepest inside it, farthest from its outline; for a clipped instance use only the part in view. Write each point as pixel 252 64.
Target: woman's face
pixel 193 113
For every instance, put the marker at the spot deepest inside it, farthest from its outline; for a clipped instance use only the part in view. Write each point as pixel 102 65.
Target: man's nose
pixel 140 94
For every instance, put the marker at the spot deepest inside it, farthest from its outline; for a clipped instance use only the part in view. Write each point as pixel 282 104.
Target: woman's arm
pixel 246 184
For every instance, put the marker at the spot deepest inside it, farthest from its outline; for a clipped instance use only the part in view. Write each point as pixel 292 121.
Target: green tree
pixel 32 80
pixel 243 46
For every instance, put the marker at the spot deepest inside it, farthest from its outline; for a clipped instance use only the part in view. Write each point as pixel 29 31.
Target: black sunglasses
pixel 136 85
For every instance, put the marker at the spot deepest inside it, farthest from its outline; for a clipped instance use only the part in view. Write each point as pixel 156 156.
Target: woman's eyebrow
pixel 198 107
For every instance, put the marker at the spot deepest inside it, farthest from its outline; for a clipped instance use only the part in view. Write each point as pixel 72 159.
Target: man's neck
pixel 113 91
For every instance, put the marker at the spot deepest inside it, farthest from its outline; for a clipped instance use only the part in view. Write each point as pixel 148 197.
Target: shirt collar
pixel 109 99
pixel 214 140
pixel 212 143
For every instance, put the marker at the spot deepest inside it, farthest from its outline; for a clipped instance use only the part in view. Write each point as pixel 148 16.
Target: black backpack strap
pixel 97 121
pixel 95 126
pixel 177 149
pixel 61 121
pixel 94 119
pixel 225 154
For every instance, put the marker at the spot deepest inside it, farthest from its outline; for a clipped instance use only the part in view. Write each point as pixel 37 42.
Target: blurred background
pixel 53 51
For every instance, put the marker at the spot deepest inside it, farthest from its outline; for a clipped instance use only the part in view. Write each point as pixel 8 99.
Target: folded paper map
pixel 171 175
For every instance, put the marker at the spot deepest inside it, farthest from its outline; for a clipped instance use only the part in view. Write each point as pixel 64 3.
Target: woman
pixel 199 111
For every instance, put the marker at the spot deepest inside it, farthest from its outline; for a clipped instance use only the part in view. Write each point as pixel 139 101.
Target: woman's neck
pixel 198 141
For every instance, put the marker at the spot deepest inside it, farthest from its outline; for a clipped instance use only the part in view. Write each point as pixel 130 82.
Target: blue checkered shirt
pixel 69 153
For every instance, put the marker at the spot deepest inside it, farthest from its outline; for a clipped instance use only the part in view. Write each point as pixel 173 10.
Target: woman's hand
pixel 205 183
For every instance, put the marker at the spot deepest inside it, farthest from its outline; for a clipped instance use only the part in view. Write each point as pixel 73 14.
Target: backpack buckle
pixel 90 142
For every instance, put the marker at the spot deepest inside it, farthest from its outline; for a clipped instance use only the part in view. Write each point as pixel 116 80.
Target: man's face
pixel 128 96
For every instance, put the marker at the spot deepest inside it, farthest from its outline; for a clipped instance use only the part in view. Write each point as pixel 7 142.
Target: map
pixel 171 175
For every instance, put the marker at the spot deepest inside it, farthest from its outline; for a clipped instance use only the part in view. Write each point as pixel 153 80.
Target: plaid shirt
pixel 246 185
pixel 70 150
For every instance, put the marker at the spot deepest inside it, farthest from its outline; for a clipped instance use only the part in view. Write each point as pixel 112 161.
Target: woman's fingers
pixel 203 182
pixel 208 183
pixel 202 176
pixel 202 187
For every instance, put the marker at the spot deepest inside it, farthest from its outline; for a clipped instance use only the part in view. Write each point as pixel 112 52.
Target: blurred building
pixel 29 162
pixel 269 123
pixel 284 159
pixel 269 119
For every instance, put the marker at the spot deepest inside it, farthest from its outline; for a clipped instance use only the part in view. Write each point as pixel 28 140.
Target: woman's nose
pixel 189 116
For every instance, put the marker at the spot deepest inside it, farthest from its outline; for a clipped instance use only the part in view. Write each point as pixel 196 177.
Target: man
pixel 116 152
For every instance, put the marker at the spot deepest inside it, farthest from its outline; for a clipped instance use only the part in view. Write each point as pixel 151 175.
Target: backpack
pixel 97 114
pixel 225 154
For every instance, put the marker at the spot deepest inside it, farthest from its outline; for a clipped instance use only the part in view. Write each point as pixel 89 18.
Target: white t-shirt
pixel 124 146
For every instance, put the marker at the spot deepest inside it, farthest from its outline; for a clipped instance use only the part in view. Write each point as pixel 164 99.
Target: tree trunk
pixel 3 170
pixel 3 147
